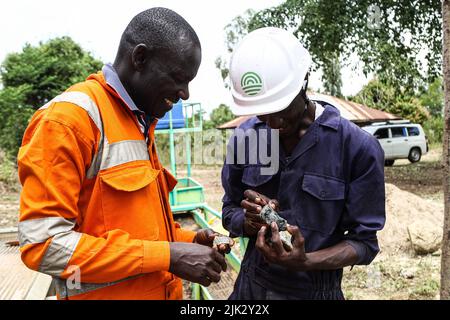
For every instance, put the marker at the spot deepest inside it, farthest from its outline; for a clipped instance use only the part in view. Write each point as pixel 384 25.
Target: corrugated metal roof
pixel 352 111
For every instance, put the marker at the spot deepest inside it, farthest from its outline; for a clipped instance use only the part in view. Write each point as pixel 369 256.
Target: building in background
pixel 355 112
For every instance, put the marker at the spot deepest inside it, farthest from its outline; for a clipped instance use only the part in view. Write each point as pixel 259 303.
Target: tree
pixel 15 115
pixel 433 98
pixel 333 79
pixel 33 77
pixel 384 97
pixel 386 35
pixel 219 116
pixel 48 69
pixel 445 257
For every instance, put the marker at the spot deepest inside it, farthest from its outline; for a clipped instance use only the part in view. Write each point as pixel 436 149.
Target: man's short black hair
pixel 159 28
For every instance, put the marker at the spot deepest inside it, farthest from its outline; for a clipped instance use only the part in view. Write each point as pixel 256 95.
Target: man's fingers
pixel 213 276
pixel 256 218
pixel 224 248
pixel 259 200
pixel 274 204
pixel 221 260
pixel 205 281
pixel 256 197
pixel 205 237
pixel 297 237
pixel 210 234
pixel 213 234
pixel 260 240
pixel 262 246
pixel 250 206
pixel 276 241
pixel 216 267
pixel 251 195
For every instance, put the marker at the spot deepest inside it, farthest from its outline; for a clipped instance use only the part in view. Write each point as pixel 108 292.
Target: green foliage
pixel 386 35
pixel 48 69
pixel 33 77
pixel 433 98
pixel 425 290
pixel 8 174
pixel 434 129
pixel 218 116
pixel 333 82
pixel 409 109
pixel 376 95
pixel 15 114
pixel 384 97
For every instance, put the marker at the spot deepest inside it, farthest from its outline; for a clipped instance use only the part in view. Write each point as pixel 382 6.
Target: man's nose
pixel 183 93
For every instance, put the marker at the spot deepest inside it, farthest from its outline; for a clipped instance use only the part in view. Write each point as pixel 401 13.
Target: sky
pixel 97 26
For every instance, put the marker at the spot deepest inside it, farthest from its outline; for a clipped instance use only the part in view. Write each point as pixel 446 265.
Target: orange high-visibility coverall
pixel 94 205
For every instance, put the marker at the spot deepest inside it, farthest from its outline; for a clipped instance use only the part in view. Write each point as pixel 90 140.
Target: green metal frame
pixel 188 191
pixel 188 195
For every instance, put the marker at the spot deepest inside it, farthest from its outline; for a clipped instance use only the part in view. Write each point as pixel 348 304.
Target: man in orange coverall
pixel 94 210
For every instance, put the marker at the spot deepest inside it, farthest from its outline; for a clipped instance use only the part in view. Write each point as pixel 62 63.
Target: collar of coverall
pixel 112 79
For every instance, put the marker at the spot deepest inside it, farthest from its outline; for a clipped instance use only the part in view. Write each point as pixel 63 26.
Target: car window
pixel 381 133
pixel 413 131
pixel 398 132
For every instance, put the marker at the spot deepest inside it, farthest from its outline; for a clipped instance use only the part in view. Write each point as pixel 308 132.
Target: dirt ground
pixel 423 178
pixel 414 193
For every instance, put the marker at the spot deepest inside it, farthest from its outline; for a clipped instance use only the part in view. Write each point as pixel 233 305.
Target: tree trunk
pixel 445 262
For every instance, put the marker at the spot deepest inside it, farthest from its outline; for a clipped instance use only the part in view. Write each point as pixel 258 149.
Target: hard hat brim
pixel 265 108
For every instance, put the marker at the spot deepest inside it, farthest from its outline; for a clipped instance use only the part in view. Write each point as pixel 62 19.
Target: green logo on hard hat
pixel 251 83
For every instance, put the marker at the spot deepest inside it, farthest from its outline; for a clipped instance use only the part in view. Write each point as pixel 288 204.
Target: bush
pixel 383 97
pixel 434 129
pixel 34 76
pixel 15 115
pixel 8 174
pixel 410 109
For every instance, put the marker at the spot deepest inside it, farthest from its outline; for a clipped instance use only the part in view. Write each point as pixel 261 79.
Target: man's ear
pixel 140 56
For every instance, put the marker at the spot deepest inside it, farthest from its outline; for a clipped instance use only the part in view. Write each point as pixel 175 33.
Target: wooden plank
pixel 17 282
pixel 39 288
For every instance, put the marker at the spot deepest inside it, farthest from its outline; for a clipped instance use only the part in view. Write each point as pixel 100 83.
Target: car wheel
pixel 414 155
pixel 389 163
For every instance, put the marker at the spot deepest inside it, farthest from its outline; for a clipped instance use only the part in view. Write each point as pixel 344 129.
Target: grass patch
pixel 425 290
pixel 8 175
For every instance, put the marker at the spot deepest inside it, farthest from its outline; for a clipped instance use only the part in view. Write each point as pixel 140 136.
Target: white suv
pixel 400 140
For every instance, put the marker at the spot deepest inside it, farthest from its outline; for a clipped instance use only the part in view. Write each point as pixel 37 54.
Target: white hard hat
pixel 267 71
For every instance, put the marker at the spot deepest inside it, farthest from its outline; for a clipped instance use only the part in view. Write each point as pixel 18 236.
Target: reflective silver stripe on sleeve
pixel 122 152
pixel 39 230
pixel 65 288
pixel 85 102
pixel 97 159
pixel 59 253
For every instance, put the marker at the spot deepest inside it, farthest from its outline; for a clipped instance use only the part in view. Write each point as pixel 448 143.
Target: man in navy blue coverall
pixel 329 186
